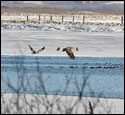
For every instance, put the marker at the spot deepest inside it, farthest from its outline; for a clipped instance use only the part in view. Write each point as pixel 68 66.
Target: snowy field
pixel 92 41
pixel 62 104
pixel 63 27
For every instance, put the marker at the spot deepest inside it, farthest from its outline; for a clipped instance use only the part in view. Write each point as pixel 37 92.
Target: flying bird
pixel 69 52
pixel 58 49
pixel 36 52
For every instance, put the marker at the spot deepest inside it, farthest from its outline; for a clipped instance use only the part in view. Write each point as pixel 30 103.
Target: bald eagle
pixel 69 52
pixel 36 52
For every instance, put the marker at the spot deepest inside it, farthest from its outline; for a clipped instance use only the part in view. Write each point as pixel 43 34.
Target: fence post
pixel 83 19
pixel 73 18
pixel 121 19
pixel 27 18
pixel 44 18
pixel 51 18
pixel 62 18
pixel 39 18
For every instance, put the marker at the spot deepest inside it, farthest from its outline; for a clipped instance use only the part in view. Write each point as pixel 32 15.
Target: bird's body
pixel 36 52
pixel 77 49
pixel 69 52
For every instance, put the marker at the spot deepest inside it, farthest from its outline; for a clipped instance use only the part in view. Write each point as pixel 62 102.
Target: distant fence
pixel 65 18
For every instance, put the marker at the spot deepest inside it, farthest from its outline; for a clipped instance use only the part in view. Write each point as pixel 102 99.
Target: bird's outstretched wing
pixel 33 51
pixel 58 49
pixel 70 53
pixel 64 49
pixel 41 49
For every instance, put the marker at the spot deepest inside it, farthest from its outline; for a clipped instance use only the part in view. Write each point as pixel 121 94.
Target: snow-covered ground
pixel 61 104
pixel 92 41
pixel 115 2
pixel 64 27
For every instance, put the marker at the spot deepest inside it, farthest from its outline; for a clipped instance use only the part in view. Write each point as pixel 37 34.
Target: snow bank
pixel 64 27
pixel 33 103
